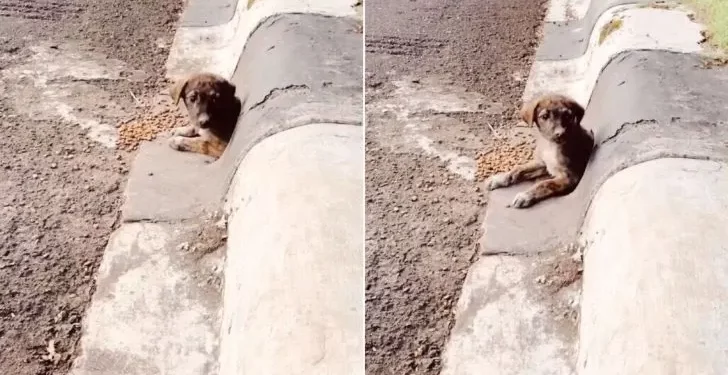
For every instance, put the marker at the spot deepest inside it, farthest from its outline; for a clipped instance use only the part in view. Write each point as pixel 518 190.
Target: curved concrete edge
pixel 642 28
pixel 297 69
pixel 293 302
pixel 630 128
pixel 569 39
pixel 655 287
pixel 216 49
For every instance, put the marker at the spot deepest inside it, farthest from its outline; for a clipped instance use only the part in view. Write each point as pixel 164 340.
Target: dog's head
pixel 554 115
pixel 207 98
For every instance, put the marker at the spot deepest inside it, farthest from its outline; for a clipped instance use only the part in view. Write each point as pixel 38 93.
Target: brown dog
pixel 213 109
pixel 563 149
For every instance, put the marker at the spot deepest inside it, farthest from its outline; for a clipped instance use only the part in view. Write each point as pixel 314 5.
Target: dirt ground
pixel 69 72
pixel 442 77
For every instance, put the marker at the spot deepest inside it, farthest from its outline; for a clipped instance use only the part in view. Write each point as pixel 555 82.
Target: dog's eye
pixel 544 116
pixel 192 98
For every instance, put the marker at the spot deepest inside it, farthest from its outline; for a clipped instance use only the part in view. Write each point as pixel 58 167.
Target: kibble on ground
pixel 148 127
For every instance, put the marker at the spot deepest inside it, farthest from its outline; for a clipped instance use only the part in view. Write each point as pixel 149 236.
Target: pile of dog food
pixel 148 127
pixel 502 157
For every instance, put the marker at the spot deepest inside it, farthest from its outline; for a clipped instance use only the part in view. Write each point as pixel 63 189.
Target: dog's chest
pixel 552 156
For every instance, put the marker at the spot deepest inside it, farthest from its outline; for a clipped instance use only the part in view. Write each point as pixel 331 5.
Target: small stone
pixel 54 165
pixel 414 198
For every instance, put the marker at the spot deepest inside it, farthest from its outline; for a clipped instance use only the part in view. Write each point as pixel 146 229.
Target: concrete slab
pixel 683 116
pixel 205 13
pixel 655 291
pixel 216 49
pixel 153 311
pixel 166 185
pixel 565 38
pixel 508 322
pixel 293 298
pixel 641 29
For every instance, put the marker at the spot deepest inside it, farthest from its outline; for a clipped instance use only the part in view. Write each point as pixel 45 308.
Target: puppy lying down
pixel 563 149
pixel 213 110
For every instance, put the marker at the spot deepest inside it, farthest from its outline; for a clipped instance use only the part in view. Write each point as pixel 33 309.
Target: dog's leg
pixel 201 145
pixel 186 131
pixel 543 190
pixel 524 172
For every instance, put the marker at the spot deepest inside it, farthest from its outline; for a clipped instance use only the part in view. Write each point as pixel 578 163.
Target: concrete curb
pixel 216 48
pixel 299 77
pixel 655 291
pixel 637 135
pixel 293 302
pixel 642 28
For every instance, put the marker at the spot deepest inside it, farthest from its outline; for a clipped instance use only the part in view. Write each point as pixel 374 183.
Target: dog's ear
pixel 178 90
pixel 227 88
pixel 528 111
pixel 576 110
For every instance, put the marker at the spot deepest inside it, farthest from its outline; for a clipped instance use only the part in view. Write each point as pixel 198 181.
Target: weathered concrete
pixel 656 271
pixel 293 298
pixel 565 38
pixel 166 185
pixel 563 11
pixel 630 127
pixel 153 311
pixel 278 95
pixel 641 29
pixel 507 323
pixel 216 49
pixel 205 13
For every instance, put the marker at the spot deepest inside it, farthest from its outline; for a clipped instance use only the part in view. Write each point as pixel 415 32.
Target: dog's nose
pixel 202 120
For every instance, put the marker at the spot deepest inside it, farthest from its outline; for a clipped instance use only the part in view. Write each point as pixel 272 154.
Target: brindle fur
pixel 563 149
pixel 213 110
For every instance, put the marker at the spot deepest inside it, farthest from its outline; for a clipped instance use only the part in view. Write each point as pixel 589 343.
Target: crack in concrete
pixel 623 126
pixel 272 93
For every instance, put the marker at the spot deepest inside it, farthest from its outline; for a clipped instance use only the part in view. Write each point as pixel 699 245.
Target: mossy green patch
pixel 611 26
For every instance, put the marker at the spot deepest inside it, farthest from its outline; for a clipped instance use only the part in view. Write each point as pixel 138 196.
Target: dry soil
pixel 60 191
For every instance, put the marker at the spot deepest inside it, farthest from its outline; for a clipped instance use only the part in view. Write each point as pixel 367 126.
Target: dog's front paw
pixel 185 131
pixel 177 143
pixel 498 181
pixel 523 200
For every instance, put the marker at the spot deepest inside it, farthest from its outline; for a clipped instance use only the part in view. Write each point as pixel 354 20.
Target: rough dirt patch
pixel 60 186
pixel 422 216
